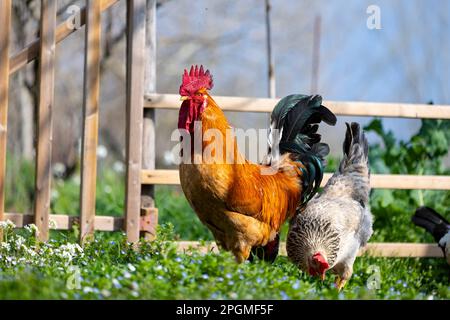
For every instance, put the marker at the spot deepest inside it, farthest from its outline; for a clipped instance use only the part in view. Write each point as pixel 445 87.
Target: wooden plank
pixel 377 181
pixel 160 177
pixel 343 108
pixel 66 222
pixel 31 51
pixel 148 135
pixel 44 128
pixel 410 182
pixel 136 14
pixel 402 250
pixel 91 116
pixel 5 18
pixel 392 250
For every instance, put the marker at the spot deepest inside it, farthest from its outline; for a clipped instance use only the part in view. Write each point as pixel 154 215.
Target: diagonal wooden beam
pixel 64 29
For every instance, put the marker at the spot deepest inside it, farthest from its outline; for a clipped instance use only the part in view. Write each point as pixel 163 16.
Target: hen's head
pixel 193 94
pixel 318 265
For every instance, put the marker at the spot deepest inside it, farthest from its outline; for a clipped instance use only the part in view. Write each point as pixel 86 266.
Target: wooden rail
pixel 66 222
pixel 378 181
pixel 364 109
pixel 385 249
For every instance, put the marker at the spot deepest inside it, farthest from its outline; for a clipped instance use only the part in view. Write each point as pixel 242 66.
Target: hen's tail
pixel 431 221
pixel 294 123
pixel 355 163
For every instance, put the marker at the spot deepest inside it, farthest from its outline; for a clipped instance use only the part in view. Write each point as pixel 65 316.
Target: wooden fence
pixel 43 49
pixel 140 217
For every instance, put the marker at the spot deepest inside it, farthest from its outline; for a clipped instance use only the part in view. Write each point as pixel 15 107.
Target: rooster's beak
pixel 183 98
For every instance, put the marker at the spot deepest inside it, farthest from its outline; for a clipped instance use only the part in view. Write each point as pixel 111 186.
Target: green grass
pixel 109 269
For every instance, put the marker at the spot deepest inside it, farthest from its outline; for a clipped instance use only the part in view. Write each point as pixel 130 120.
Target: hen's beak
pixel 322 276
pixel 183 98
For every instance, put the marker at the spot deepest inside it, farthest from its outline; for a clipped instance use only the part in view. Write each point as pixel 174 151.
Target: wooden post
pixel 271 90
pixel 44 128
pixel 316 55
pixel 148 139
pixel 136 12
pixel 5 18
pixel 90 115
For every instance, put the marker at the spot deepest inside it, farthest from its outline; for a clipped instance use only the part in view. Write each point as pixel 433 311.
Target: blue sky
pixel 406 61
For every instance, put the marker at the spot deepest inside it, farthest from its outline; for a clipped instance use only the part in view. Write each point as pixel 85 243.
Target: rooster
pixel 244 204
pixel 435 224
pixel 328 233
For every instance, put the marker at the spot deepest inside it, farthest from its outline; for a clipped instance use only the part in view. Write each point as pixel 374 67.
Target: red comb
pixel 195 80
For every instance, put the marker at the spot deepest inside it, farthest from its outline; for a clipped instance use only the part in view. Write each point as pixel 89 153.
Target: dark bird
pixel 435 224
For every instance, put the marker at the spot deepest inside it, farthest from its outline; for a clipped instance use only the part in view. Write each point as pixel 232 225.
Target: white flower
pixel 102 152
pixel 54 194
pixel 118 167
pixel 6 246
pixel 131 267
pixel 116 283
pixel 8 224
pixel 32 228
pixel 87 290
pixel 107 189
pixel 59 169
pixel 134 286
pixel 105 293
pixel 19 242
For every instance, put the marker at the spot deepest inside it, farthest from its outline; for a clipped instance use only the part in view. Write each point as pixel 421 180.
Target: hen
pixel 244 204
pixel 336 223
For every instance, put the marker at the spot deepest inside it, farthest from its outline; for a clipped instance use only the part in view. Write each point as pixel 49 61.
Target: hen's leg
pixel 344 271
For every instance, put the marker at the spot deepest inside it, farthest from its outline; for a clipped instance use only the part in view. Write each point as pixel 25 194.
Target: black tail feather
pixel 431 221
pixel 298 118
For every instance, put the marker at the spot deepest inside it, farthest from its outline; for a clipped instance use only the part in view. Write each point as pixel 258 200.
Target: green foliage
pixel 422 155
pixel 109 268
pixel 65 192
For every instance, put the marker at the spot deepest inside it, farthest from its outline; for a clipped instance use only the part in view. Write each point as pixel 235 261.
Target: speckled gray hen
pixel 328 233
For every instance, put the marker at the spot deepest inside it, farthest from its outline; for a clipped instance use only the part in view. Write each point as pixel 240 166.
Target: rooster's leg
pixel 267 253
pixel 242 254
